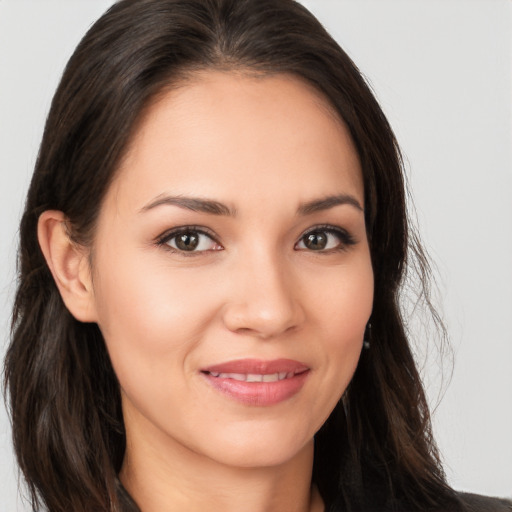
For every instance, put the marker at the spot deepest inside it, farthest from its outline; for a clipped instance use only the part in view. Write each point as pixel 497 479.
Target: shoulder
pixel 477 503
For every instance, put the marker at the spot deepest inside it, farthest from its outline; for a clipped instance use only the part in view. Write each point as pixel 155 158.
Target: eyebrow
pixel 325 203
pixel 212 207
pixel 195 204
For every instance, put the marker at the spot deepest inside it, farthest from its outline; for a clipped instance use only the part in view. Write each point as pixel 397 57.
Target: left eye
pixel 190 241
pixel 324 240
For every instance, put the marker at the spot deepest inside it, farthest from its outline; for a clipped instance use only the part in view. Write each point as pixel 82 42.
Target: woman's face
pixel 231 270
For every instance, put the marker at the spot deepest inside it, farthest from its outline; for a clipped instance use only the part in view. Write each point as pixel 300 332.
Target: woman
pixel 216 221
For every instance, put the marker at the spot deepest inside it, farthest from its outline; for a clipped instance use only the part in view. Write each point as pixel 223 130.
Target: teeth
pixel 254 377
pixel 234 376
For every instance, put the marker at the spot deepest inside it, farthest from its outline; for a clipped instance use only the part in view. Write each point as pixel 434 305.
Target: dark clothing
pixel 477 503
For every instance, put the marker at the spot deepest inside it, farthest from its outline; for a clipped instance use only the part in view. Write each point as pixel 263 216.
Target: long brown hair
pixel 376 450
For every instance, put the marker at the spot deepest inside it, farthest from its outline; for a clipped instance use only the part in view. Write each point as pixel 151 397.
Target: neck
pixel 166 476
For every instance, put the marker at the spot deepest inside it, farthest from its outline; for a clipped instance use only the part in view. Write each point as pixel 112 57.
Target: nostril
pixel 263 301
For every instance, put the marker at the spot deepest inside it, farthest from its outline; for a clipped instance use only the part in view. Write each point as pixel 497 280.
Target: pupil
pixel 316 241
pixel 187 241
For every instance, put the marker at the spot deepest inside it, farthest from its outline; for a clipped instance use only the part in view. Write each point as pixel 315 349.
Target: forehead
pixel 240 136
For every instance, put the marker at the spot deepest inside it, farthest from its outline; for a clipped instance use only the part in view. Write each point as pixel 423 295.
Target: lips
pixel 253 377
pixel 258 382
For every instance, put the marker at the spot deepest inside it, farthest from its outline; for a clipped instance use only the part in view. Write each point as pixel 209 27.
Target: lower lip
pixel 259 393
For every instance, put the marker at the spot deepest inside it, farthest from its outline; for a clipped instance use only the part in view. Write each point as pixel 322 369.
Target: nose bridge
pixel 262 298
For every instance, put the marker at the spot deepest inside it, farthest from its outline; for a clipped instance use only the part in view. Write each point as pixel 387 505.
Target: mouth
pixel 257 382
pixel 254 377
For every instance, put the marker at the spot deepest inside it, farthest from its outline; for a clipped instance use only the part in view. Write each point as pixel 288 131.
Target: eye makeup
pixel 185 240
pixel 316 236
pixel 191 240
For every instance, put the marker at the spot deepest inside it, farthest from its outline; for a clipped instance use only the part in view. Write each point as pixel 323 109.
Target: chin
pixel 258 446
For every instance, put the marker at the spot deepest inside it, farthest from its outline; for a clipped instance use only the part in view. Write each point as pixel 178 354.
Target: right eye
pixel 189 240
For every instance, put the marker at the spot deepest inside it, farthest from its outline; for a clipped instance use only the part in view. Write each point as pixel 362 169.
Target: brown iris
pixel 315 241
pixel 187 241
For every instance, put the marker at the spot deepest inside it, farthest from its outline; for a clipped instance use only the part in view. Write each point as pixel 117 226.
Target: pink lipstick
pixel 258 382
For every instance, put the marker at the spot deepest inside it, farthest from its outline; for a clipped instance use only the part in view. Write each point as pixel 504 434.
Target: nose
pixel 264 298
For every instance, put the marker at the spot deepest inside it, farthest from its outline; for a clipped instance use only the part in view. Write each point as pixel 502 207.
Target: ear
pixel 69 265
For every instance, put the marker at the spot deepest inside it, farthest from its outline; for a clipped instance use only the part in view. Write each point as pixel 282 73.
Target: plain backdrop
pixel 442 70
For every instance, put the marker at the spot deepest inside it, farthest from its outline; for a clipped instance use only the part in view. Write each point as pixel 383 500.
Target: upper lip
pixel 257 366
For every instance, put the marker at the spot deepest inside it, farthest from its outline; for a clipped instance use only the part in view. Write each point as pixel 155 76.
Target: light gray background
pixel 442 72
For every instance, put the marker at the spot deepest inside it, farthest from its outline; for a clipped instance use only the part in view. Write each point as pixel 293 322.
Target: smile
pixel 256 382
pixel 254 377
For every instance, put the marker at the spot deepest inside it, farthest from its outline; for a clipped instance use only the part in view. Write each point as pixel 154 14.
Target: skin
pixel 261 146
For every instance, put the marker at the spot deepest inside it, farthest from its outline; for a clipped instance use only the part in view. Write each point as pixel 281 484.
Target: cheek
pixel 346 306
pixel 343 301
pixel 147 314
pixel 152 323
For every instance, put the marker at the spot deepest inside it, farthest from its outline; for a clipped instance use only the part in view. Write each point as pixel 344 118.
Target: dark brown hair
pixel 376 450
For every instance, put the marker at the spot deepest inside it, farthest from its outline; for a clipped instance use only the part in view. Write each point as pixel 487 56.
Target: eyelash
pixel 345 239
pixel 164 239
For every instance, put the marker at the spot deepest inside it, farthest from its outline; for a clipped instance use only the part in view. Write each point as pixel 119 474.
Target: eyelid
pixel 166 236
pixel 345 237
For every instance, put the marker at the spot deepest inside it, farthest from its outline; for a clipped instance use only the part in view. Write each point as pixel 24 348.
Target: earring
pixel 367 336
